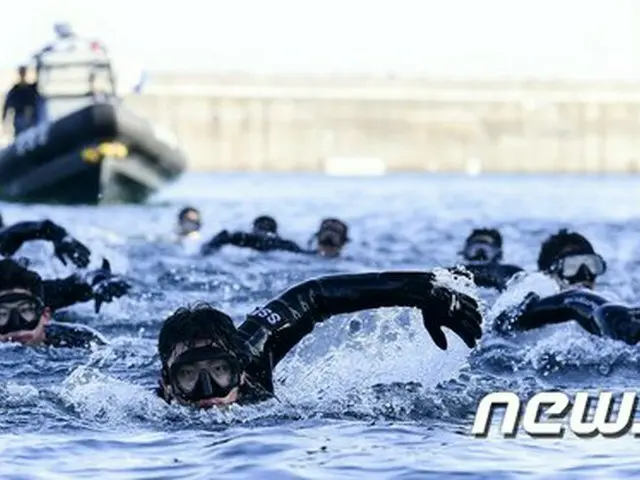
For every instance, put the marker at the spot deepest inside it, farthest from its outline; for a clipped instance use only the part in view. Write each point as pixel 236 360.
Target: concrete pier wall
pixel 243 122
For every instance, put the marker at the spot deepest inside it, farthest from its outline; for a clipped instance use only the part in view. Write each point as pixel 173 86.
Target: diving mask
pixel 19 311
pixel 189 222
pixel 188 227
pixel 205 372
pixel 481 252
pixel 332 233
pixel 570 266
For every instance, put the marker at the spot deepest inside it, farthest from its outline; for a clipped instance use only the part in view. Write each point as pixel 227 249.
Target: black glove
pixel 105 285
pixel 216 242
pixel 508 319
pixel 619 322
pixel 445 307
pixel 68 248
pixel 630 332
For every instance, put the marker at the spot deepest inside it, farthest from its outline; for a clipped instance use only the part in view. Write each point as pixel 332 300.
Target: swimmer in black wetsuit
pixel 189 223
pixel 187 229
pixel 263 238
pixel 206 361
pixel 570 259
pixel 330 239
pixel 482 254
pixel 66 247
pixel 27 301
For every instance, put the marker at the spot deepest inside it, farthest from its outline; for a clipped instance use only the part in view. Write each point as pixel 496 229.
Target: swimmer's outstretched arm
pixel 218 241
pixel 278 326
pixel 100 285
pixel 288 246
pixel 72 335
pixel 535 312
pixel 64 292
pixel 249 240
pixel 66 247
pixel 619 322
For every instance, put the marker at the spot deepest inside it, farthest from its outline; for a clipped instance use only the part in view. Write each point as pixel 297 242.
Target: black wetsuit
pixel 14 236
pixel 273 330
pixel 591 311
pixel 492 275
pixel 63 292
pixel 255 241
pixel 99 285
pixel 71 335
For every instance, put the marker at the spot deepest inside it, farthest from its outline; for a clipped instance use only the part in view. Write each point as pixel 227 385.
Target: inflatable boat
pixel 87 147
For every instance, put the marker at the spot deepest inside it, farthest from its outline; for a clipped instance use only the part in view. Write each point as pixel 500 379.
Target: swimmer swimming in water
pixel 27 302
pixel 207 361
pixel 570 259
pixel 482 255
pixel 189 223
pixel 264 237
pixel 328 241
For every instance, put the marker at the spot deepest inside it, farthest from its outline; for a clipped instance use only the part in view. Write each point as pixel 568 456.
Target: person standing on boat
pixel 22 100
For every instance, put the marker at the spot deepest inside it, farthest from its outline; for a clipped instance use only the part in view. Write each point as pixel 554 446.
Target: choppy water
pixel 345 408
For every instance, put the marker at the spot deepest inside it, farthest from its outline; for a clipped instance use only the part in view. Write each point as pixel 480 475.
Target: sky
pixel 469 38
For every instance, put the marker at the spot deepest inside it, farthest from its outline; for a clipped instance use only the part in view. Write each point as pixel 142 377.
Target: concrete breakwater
pixel 374 124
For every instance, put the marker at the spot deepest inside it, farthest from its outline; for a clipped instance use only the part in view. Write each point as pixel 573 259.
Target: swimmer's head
pixel 265 225
pixel 483 246
pixel 22 73
pixel 202 358
pixel 23 315
pixel 571 259
pixel 189 221
pixel 331 237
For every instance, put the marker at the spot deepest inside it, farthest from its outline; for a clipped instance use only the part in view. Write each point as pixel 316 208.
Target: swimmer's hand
pixel 68 248
pixel 216 243
pixel 105 285
pixel 619 322
pixel 449 308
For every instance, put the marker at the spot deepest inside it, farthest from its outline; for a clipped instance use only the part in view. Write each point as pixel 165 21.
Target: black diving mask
pixel 481 252
pixel 332 233
pixel 588 265
pixel 189 222
pixel 205 372
pixel 19 311
pixel 187 227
